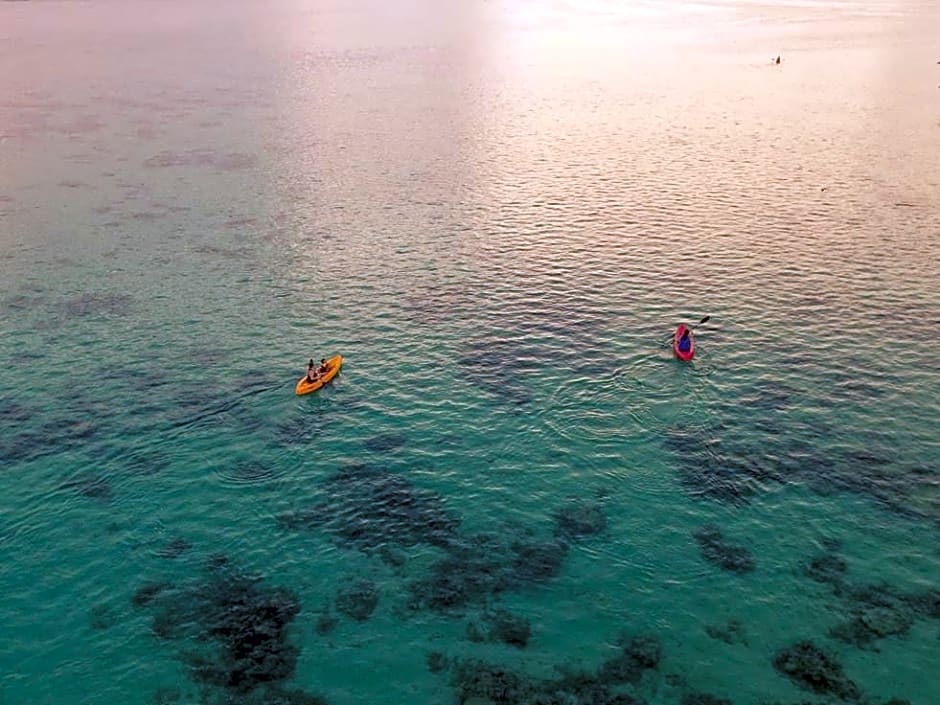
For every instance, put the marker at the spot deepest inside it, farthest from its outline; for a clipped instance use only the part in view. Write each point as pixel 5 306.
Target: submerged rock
pixel 637 654
pixel 480 565
pixel 240 627
pixel 826 568
pixel 723 553
pixel 815 670
pixel 508 628
pixel 148 592
pixel 437 662
pixel 326 623
pixel 358 600
pixel 873 624
pixel 477 679
pixel 579 519
pixel 731 632
pixel 482 683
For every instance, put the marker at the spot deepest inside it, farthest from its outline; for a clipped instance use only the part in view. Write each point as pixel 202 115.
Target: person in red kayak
pixel 685 342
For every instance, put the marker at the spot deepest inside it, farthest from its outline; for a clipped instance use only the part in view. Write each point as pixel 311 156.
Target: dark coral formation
pixel 500 366
pixel 577 519
pixel 707 471
pixel 367 508
pixel 637 654
pixel 148 592
pixel 873 623
pixel 478 681
pixel 70 430
pixel 241 625
pixel 326 623
pixel 755 445
pixel 174 548
pixel 826 568
pixel 697 698
pixel 90 485
pixel 876 611
pixel 437 662
pixel 386 442
pixel 725 554
pixel 508 628
pixel 479 565
pixel 815 670
pixel 731 632
pixel 357 599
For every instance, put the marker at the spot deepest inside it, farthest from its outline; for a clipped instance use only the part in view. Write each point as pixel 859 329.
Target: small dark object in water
pixel 326 623
pixel 147 593
pixel 437 662
pixel 723 553
pixel 778 60
pixel 474 634
pixel 357 601
pixel 813 669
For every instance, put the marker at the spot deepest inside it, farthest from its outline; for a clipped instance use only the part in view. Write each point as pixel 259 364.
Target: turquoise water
pixel 497 214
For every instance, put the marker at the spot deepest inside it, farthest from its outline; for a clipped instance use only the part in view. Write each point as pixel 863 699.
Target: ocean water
pixel 497 212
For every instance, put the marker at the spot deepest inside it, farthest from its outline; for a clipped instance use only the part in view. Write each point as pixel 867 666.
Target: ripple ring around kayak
pixel 248 473
pixel 661 393
pixel 586 409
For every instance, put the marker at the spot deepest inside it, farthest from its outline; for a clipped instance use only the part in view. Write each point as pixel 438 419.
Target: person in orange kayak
pixel 312 373
pixel 685 342
pixel 321 370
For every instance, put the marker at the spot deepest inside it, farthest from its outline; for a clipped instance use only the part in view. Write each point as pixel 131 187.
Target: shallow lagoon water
pixel 496 214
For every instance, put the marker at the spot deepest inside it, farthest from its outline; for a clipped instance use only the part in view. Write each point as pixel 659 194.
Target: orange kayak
pixel 332 368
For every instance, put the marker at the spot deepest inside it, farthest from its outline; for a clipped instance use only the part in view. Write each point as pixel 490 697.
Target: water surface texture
pixel 496 211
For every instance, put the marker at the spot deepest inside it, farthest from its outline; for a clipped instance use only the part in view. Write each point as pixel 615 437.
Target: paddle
pixel 704 320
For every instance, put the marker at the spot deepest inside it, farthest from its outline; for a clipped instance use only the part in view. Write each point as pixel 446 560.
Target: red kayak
pixel 689 353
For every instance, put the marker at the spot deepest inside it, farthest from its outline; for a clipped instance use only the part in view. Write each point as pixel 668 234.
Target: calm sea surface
pixel 497 212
